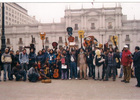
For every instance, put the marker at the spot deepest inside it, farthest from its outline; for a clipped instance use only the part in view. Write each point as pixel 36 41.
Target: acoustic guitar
pixel 56 73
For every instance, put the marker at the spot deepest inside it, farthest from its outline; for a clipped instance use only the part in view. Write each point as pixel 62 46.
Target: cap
pixel 6 48
pixel 125 46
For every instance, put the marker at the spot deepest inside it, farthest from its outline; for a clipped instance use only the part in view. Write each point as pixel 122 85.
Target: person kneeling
pixel 33 74
pixel 19 73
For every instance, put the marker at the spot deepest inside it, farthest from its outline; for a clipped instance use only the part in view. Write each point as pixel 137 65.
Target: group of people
pixel 70 63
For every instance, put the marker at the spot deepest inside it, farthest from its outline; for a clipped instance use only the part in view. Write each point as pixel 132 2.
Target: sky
pixel 49 12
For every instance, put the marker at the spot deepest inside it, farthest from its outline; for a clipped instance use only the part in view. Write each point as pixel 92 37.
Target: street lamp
pixel 3 45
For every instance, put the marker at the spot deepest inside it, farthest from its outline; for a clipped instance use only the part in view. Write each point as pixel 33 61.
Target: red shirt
pixel 126 60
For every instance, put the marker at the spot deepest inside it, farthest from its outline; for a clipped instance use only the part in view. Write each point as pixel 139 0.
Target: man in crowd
pixel 136 61
pixel 6 60
pixel 111 64
pixel 24 60
pixel 82 64
pixel 126 62
pixel 73 66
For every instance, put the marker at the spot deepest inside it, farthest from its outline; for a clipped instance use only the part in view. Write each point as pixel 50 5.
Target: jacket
pixel 79 59
pixel 136 60
pixel 40 58
pixel 6 58
pixel 126 59
pixel 23 58
pixel 32 57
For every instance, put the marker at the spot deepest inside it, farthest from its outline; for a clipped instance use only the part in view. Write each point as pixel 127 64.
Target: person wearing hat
pixel 6 60
pixel 126 62
pixel 136 61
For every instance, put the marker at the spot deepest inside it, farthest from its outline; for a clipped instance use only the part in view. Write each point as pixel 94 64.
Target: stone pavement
pixel 70 90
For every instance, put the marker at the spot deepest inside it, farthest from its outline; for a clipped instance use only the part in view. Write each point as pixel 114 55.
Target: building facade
pixel 102 23
pixel 15 14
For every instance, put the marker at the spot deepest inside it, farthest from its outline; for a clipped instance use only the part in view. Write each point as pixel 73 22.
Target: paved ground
pixel 69 90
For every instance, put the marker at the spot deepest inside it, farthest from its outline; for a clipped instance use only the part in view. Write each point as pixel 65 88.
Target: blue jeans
pixel 121 71
pixel 73 69
pixel 7 67
pixel 90 69
pixel 109 68
pixel 24 66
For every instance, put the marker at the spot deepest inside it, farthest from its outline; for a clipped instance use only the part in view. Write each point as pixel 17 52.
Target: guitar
pixel 56 73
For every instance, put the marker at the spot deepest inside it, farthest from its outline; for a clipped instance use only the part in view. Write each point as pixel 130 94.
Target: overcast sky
pixel 46 12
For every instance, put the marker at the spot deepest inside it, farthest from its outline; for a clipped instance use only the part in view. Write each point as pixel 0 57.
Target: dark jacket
pixel 110 60
pixel 136 59
pixel 40 58
pixel 32 58
pixel 16 59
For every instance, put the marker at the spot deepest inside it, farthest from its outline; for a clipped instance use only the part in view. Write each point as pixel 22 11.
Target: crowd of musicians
pixel 71 63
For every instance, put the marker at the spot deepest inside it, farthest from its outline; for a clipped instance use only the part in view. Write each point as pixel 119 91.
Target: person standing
pixel 126 62
pixel 82 64
pixel 73 66
pixel 6 60
pixel 136 61
pixel 111 64
pixel 1 65
pixel 24 60
pixel 32 58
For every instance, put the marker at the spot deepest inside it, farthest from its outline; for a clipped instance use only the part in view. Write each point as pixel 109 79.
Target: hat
pixel 6 48
pixel 137 47
pixel 125 46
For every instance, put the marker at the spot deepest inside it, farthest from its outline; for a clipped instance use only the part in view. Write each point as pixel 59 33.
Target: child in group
pixel 63 67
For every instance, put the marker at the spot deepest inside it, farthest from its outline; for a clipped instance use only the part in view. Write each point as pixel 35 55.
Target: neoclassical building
pixel 15 14
pixel 102 23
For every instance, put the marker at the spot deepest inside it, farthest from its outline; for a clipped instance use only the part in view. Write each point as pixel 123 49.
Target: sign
pixel 114 40
pixel 69 30
pixel 42 35
pixel 81 33
pixel 71 39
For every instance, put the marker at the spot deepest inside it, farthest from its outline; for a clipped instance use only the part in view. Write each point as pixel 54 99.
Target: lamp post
pixel 3 45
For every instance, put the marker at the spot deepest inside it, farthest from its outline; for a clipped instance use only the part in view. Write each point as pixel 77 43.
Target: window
pixel 109 39
pixel 34 40
pixel 47 40
pixel 110 25
pixel 60 40
pixel 76 27
pixel 127 38
pixel 76 39
pixel 20 48
pixel 92 25
pixel 8 41
pixel 20 41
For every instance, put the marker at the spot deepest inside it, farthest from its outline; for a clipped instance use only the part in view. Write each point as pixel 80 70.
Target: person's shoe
pixel 4 80
pixel 120 77
pixel 80 78
pixel 105 80
pixel 69 78
pixel 0 80
pixel 137 85
pixel 126 81
pixel 86 78
pixel 114 79
pixel 123 81
pixel 76 78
